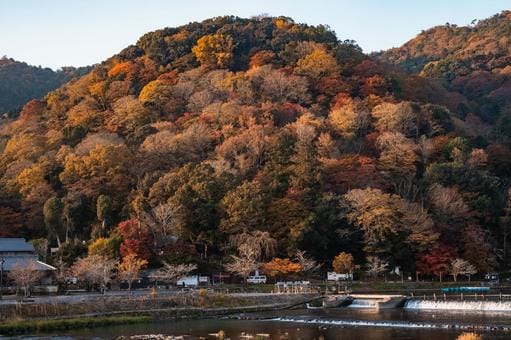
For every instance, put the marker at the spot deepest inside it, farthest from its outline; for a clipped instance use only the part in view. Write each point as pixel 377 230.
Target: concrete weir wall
pixel 381 301
pixel 366 301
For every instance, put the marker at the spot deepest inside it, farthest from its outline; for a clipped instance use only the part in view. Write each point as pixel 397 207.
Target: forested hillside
pixel 234 129
pixel 472 60
pixel 20 82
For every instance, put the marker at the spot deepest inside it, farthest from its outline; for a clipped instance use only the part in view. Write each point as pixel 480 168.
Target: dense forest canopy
pixel 471 60
pixel 231 129
pixel 20 82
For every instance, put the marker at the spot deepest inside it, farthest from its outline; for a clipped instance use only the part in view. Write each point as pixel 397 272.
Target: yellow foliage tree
pixel 349 119
pixel 344 263
pixel 317 64
pixel 32 183
pixel 399 155
pixel 214 51
pixel 382 216
pixel 126 69
pixel 102 246
pixel 129 268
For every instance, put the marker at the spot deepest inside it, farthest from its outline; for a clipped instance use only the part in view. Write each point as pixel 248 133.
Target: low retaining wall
pixel 178 306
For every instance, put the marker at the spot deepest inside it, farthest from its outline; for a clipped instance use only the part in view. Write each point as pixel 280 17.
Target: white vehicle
pixel 333 276
pixel 256 279
pixel 188 281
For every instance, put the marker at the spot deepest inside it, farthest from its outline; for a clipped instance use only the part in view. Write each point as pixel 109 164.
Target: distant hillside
pixel 20 82
pixel 231 129
pixel 473 60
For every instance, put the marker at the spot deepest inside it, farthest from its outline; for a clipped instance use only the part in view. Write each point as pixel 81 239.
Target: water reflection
pixel 319 324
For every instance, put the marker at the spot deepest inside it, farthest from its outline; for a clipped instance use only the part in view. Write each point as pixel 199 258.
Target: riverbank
pixel 97 311
pixel 37 326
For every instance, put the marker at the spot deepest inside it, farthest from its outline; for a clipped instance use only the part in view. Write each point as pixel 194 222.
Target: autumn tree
pixel 344 263
pixel 25 276
pixel 261 242
pixel 376 266
pixel 104 168
pixel 261 58
pixel 129 268
pixel 94 270
pixel 33 184
pixel 319 63
pixel 245 262
pixel 281 267
pixel 173 272
pixel 436 261
pixel 307 264
pixel 164 96
pixel 461 267
pixel 350 119
pixel 278 87
pixel 106 247
pixel 161 222
pixel 392 227
pixel 403 117
pixel 214 51
pixel 398 154
pixel 137 239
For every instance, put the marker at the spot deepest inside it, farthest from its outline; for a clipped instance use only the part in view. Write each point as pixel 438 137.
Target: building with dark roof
pixel 18 252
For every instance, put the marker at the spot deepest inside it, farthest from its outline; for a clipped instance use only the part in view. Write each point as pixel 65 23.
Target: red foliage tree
pixel 332 85
pixel 31 110
pixel 436 261
pixel 137 239
pixel 351 172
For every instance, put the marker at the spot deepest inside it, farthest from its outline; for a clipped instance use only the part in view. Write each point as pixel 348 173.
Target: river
pixel 343 323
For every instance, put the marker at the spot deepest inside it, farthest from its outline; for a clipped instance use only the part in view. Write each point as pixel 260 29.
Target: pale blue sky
pixel 57 33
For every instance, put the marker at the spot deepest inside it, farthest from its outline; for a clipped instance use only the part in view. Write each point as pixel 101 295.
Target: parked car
pixel 493 279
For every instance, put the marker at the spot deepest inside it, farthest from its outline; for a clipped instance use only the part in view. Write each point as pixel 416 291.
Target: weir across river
pixel 467 302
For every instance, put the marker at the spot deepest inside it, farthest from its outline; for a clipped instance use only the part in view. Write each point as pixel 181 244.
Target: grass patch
pixel 34 326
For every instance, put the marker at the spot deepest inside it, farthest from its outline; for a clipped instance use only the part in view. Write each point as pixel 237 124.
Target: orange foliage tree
pixel 281 267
